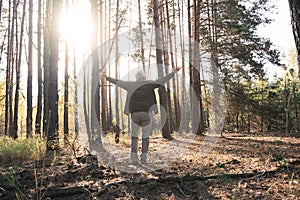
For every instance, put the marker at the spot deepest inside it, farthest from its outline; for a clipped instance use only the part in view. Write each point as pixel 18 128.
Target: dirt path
pixel 237 167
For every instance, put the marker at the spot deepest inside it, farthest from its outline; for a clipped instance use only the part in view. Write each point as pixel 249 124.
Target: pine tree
pixel 29 77
pixel 295 15
pixel 38 118
pixel 53 77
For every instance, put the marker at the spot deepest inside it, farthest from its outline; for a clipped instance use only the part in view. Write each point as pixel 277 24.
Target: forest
pixel 224 117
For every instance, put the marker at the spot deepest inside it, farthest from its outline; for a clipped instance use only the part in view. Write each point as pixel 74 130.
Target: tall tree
pixel 12 15
pixel 104 105
pixel 117 64
pixel 76 123
pixel 110 118
pixel 182 51
pixel 29 76
pixel 86 105
pixel 166 61
pixel 38 118
pixel 295 15
pixel 1 4
pixel 66 86
pixel 159 60
pixel 95 98
pixel 7 78
pixel 141 36
pixel 174 62
pixel 46 65
pixel 53 76
pixel 18 74
pixel 194 67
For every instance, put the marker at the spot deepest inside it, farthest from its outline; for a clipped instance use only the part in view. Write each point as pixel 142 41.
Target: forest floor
pixel 237 167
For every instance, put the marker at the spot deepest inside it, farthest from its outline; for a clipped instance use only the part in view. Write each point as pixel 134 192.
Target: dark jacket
pixel 140 94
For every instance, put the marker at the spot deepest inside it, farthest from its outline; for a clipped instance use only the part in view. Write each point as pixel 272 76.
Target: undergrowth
pixel 21 149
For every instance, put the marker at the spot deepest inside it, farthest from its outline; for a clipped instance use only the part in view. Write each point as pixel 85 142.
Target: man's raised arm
pixel 112 80
pixel 166 78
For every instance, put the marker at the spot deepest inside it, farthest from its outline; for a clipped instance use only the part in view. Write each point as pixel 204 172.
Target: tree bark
pixel 53 140
pixel 7 81
pixel 66 88
pixel 46 66
pixel 1 4
pixel 175 82
pixel 166 61
pixel 109 71
pixel 104 105
pixel 85 105
pixel 198 105
pixel 95 98
pixel 117 65
pixel 9 69
pixel 141 36
pixel 29 77
pixel 76 123
pixel 295 16
pixel 182 50
pixel 159 60
pixel 38 118
pixel 18 74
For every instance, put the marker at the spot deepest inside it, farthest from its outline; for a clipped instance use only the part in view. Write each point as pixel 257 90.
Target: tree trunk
pixel 1 4
pixel 141 36
pixel 190 53
pixel 117 65
pixel 29 77
pixel 159 60
pixel 173 124
pixel 182 50
pixel 262 110
pixel 104 106
pixel 53 140
pixel 175 82
pixel 297 121
pixel 75 107
pixel 198 107
pixel 14 50
pixel 269 111
pixel 7 81
pixel 66 88
pixel 85 105
pixel 166 67
pixel 216 115
pixel 76 123
pixel 109 71
pixel 194 60
pixel 46 66
pixel 18 74
pixel 95 98
pixel 39 65
pixel 295 15
pixel 11 62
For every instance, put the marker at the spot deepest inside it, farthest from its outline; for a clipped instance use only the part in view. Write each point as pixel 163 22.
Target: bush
pixel 20 150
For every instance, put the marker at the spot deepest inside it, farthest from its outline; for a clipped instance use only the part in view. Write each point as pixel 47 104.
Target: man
pixel 140 98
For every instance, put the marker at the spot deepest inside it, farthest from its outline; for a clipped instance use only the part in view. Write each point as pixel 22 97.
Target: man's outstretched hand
pixel 176 69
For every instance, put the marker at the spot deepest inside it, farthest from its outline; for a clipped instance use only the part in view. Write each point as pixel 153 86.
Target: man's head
pixel 140 75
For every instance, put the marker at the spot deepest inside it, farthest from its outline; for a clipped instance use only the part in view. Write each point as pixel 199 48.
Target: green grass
pixel 17 151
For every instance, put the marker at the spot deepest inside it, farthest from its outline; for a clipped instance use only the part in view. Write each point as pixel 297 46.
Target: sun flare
pixel 75 25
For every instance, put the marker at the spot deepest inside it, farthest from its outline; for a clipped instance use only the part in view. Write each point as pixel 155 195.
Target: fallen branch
pixel 67 192
pixel 188 178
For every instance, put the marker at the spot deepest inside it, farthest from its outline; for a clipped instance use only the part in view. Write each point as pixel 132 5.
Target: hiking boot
pixel 144 158
pixel 134 158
